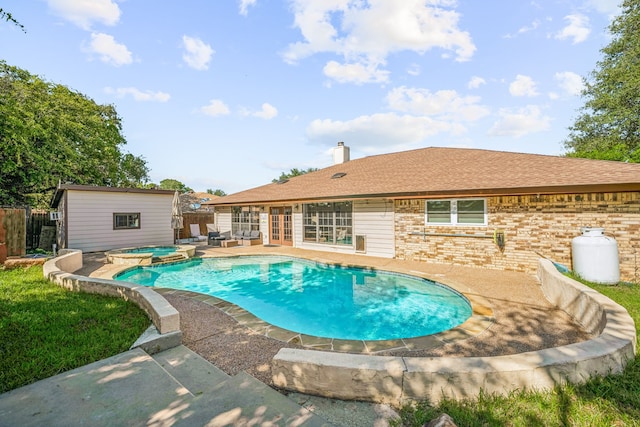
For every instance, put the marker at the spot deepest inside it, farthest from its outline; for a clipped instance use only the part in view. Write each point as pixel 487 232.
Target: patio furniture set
pixel 226 240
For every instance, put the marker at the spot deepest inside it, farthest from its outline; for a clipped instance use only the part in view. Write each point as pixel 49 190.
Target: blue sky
pixel 230 93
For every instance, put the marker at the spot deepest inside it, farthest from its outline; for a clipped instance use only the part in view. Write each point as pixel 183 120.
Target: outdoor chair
pixel 195 233
pixel 215 238
pixel 253 235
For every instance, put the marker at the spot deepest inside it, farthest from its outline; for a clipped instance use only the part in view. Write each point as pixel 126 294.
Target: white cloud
pixel 365 33
pixel 84 12
pixel 520 122
pixel 109 51
pixel 244 6
pixel 475 82
pixel 197 54
pixel 522 30
pixel 570 82
pixel 138 95
pixel 268 112
pixel 606 7
pixel 387 132
pixel 446 104
pixel 215 108
pixel 523 86
pixel 355 73
pixel 578 28
pixel 414 70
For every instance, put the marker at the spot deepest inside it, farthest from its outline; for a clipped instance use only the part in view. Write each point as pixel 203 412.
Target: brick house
pixel 483 208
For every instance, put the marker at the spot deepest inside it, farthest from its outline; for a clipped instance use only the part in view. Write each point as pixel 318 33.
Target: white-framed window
pixel 328 223
pixel 456 212
pixel 245 218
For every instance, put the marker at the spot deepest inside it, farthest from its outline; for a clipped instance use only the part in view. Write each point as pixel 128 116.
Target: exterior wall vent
pixel 361 243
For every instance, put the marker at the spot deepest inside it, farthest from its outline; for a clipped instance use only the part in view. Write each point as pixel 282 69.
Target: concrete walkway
pixel 172 388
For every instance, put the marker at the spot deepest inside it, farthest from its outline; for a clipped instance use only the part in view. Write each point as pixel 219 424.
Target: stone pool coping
pixel 165 331
pixel 122 257
pixel 480 320
pixel 397 380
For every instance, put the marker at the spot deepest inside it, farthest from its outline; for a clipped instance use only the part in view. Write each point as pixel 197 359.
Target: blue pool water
pixel 155 250
pixel 316 299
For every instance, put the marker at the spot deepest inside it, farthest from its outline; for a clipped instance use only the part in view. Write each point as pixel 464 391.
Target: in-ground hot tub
pixel 146 255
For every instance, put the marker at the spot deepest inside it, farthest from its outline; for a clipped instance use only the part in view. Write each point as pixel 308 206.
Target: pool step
pixel 240 399
pixel 168 258
pixel 194 372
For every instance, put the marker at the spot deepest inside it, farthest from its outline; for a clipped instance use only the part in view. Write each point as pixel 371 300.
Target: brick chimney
pixel 340 154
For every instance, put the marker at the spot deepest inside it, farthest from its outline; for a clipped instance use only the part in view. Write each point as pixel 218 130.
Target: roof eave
pixel 481 192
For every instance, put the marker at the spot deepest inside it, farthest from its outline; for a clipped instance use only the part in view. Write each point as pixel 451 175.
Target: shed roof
pixel 75 187
pixel 447 172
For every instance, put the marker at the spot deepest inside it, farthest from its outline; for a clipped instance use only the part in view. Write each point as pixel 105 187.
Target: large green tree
pixel 608 126
pixel 174 184
pixel 50 134
pixel 292 173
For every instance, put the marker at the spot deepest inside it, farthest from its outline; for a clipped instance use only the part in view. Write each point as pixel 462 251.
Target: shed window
pixel 126 221
pixel 456 212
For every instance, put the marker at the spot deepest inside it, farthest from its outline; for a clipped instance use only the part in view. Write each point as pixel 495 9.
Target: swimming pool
pixel 317 299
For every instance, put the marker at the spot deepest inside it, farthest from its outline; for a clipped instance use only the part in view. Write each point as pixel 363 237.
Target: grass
pixel 46 330
pixel 610 401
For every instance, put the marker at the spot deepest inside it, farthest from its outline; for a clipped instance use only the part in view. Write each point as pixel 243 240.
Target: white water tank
pixel 595 256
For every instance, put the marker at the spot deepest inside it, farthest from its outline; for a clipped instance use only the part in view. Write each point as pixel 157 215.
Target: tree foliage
pixel 608 127
pixel 51 134
pixel 174 184
pixel 9 18
pixel 293 172
pixel 217 192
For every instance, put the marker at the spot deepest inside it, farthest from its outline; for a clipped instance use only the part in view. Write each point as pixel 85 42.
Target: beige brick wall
pixel 533 226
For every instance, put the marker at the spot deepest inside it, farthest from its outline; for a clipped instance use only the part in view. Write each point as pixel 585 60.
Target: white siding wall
pixel 375 219
pixel 223 218
pixel 371 218
pixel 90 220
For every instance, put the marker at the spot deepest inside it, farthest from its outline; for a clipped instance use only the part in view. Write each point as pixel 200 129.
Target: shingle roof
pixel 439 172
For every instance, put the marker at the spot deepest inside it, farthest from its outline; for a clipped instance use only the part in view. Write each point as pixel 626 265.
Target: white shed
pixel 93 218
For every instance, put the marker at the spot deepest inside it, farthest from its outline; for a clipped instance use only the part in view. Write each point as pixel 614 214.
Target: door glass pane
pixel 275 225
pixel 288 225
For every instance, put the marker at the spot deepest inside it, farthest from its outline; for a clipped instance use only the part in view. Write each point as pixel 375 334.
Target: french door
pixel 281 225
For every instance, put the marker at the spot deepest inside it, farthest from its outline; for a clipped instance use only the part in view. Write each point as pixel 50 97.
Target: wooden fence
pixel 35 222
pixel 12 233
pixel 200 218
pixel 21 230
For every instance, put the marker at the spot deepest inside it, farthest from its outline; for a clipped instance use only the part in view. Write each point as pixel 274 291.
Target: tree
pixel 608 127
pixel 293 172
pixel 9 18
pixel 217 192
pixel 51 134
pixel 173 184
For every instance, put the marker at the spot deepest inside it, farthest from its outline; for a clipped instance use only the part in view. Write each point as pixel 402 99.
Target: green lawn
pixel 610 401
pixel 46 330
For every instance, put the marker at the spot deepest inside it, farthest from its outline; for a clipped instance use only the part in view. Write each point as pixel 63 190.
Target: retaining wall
pixel 165 332
pixel 397 380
